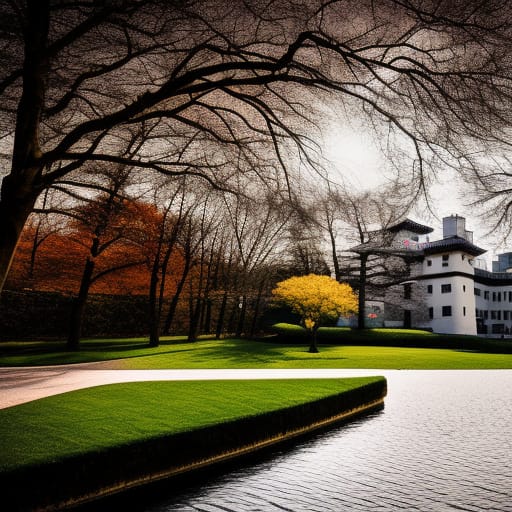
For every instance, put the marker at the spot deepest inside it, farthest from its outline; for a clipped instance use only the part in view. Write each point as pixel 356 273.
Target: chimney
pixel 454 225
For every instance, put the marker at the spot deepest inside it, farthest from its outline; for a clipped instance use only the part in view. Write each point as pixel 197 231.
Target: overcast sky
pixel 357 158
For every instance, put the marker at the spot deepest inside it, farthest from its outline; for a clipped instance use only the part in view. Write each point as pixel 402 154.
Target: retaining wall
pixel 58 486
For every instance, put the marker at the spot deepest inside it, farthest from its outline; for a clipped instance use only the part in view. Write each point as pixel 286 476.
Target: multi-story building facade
pixel 457 297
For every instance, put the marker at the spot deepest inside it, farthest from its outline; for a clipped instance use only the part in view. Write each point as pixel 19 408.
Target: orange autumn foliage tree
pixel 316 298
pixel 118 256
pixel 59 264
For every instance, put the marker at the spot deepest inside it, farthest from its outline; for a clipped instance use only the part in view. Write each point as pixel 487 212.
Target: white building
pixel 458 297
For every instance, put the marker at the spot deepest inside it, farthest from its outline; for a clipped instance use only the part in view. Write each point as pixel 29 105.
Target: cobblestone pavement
pixel 442 443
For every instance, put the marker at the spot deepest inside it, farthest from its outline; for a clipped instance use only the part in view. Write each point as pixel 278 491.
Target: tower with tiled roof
pixel 448 276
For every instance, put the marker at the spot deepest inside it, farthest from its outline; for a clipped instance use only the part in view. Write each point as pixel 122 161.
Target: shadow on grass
pixel 177 352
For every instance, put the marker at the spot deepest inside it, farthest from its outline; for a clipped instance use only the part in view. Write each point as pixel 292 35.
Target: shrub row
pixel 290 333
pixel 31 315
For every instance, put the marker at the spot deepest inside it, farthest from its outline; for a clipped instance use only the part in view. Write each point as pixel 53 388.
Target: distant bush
pixel 292 333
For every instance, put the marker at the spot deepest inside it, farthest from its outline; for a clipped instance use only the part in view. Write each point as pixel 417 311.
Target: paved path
pixel 19 385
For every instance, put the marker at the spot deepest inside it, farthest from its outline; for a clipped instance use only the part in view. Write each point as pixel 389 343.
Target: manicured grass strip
pixel 243 354
pixel 234 353
pixel 96 419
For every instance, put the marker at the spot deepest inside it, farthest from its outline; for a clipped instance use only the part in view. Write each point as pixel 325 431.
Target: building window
pixel 463 310
pixel 506 315
pixel 478 291
pixel 510 296
pixel 429 263
pixel 431 313
pixel 498 328
pixel 445 259
pixel 495 315
pixel 486 315
pixel 463 287
pixel 486 295
pixel 429 288
pixel 494 296
pixel 499 296
pixel 447 311
pixel 407 290
pixel 446 288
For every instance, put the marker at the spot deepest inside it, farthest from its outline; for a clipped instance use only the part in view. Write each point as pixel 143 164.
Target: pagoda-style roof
pixel 453 243
pixel 410 225
pixel 378 248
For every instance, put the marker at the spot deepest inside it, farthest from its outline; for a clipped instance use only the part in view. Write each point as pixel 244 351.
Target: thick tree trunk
pixel 21 187
pixel 15 207
pixel 78 307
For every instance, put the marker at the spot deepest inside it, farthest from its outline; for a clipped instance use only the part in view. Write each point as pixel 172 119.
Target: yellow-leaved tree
pixel 316 299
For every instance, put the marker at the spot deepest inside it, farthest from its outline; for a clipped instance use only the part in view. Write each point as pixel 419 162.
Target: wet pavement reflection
pixel 443 442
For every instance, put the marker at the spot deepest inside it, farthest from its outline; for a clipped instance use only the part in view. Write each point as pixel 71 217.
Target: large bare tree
pixel 212 85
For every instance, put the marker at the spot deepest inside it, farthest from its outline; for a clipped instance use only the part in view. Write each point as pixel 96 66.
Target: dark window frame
pixel 447 311
pixel 446 288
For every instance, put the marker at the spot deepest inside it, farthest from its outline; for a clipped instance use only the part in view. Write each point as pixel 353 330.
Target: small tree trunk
pixel 194 320
pixel 362 291
pixel 174 301
pixel 153 303
pixel 241 319
pixel 335 262
pixel 232 318
pixel 256 311
pixel 313 348
pixel 78 307
pixel 222 314
pixel 207 317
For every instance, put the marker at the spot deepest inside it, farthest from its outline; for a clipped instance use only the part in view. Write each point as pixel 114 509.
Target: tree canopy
pixel 316 298
pixel 235 91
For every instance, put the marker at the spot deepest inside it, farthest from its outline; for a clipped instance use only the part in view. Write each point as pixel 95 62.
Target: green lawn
pixel 89 420
pixel 234 353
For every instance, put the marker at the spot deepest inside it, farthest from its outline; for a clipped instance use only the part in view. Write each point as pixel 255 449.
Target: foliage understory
pixel 95 419
pixel 369 349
